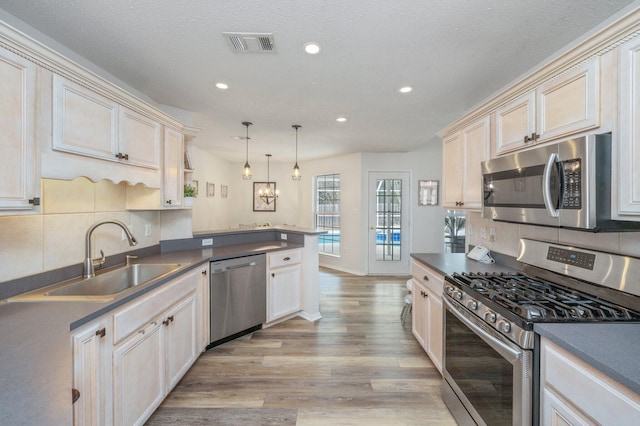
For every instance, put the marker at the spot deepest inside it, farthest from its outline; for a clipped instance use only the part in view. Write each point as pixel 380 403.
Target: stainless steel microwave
pixel 566 184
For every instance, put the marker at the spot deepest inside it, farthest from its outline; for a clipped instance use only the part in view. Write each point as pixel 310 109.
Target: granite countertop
pixel 35 350
pixel 612 348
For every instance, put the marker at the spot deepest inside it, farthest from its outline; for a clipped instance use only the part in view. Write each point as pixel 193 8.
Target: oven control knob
pixel 490 316
pixel 472 304
pixel 457 295
pixel 504 326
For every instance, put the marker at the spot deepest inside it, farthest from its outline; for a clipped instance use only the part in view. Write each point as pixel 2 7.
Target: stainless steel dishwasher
pixel 238 297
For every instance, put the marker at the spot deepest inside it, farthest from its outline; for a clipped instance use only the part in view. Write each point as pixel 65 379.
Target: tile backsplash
pixel 30 244
pixel 507 237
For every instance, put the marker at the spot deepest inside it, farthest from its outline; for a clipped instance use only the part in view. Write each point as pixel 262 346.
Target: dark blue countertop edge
pixel 612 348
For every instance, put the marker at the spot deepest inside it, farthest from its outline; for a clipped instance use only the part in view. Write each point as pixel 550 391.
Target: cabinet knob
pixel 101 333
pixel 204 272
pixel 286 259
pixel 75 395
pixel 426 278
pixel 169 202
pixel 273 275
pixel 165 322
pixel 170 318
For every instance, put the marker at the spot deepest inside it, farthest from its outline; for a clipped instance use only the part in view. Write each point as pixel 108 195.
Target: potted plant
pixel 452 225
pixel 190 193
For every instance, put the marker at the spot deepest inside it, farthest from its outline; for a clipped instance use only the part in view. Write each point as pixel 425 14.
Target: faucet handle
pixel 128 259
pixel 99 261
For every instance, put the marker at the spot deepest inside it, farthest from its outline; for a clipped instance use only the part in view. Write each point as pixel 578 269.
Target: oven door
pixel 486 374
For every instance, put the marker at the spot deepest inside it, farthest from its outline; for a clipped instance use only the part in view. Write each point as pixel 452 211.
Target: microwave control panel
pixel 572 184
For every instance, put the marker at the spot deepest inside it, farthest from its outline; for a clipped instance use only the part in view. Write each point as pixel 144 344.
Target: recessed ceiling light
pixel 406 89
pixel 312 48
pixel 341 119
pixel 223 86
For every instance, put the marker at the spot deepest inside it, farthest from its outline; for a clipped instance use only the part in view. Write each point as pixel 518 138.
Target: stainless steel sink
pixel 102 287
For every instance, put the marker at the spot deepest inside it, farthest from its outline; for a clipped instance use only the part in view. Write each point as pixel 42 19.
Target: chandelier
pixel 246 170
pixel 269 194
pixel 296 169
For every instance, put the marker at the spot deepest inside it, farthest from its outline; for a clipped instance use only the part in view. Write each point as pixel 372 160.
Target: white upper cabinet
pixel 564 105
pixel 515 123
pixel 139 139
pixel 628 147
pixel 173 166
pixel 87 123
pixel 569 103
pixel 463 152
pixel 83 121
pixel 17 142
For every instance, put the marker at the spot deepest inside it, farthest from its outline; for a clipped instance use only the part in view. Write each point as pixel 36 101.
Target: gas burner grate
pixel 539 300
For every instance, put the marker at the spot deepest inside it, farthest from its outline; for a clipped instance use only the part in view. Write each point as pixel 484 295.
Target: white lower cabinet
pixel 427 311
pixel 139 375
pixel 91 345
pixel 574 393
pixel 127 362
pixel 284 284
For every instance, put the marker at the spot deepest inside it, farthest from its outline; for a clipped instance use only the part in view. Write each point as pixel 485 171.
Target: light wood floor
pixel 358 365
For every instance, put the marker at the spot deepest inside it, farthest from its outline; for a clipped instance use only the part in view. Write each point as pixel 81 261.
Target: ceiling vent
pixel 250 42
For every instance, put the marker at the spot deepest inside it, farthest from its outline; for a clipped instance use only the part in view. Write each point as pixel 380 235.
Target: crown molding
pixel 32 50
pixel 576 53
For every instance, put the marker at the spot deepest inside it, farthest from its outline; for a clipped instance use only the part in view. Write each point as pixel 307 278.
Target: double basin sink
pixel 102 287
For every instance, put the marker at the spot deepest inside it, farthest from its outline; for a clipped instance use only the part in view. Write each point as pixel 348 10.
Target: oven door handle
pixel 546 185
pixel 510 354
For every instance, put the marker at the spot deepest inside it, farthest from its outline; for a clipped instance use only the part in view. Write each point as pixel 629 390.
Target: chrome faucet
pixel 88 261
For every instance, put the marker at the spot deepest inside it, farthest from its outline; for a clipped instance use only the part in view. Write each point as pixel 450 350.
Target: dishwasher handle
pixel 228 268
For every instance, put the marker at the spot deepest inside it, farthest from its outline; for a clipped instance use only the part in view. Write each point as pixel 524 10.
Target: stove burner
pixel 538 300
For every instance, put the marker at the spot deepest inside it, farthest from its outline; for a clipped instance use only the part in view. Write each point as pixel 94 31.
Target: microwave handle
pixel 546 185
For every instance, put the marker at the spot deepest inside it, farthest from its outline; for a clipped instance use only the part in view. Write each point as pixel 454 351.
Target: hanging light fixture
pixel 296 169
pixel 246 171
pixel 269 194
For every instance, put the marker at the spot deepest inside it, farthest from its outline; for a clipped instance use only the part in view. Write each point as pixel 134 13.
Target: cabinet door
pixel 476 150
pixel 453 164
pixel 419 314
pixel 628 150
pixel 556 411
pixel 515 121
pixel 180 327
pixel 17 115
pixel 173 164
pixel 91 374
pixel 139 375
pixel 284 294
pixel 139 139
pixel 569 103
pixel 434 329
pixel 83 121
pixel 203 308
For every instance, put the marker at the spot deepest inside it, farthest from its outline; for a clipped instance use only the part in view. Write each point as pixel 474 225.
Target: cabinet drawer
pixel 284 258
pixel 429 278
pixel 578 382
pixel 143 310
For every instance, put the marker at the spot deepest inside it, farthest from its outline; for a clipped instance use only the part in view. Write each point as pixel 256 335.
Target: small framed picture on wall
pixel 428 192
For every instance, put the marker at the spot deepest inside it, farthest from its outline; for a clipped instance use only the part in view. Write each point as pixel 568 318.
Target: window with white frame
pixel 327 215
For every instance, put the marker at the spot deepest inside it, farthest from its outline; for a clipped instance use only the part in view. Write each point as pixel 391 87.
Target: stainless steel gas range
pixel 491 353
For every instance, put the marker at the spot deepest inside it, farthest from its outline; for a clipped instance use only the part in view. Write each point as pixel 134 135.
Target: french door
pixel 388 223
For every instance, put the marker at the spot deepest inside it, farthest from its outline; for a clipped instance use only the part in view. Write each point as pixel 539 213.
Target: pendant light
pixel 296 169
pixel 246 171
pixel 268 195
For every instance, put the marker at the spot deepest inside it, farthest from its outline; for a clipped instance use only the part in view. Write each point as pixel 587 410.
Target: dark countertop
pixel 35 349
pixel 611 348
pixel 286 228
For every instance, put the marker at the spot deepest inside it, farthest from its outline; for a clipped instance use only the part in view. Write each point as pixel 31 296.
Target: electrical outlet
pixel 492 234
pixel 283 236
pixel 147 230
pixel 207 242
pixel 483 232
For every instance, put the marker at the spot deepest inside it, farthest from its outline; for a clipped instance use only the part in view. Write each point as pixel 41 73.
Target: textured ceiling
pixel 454 53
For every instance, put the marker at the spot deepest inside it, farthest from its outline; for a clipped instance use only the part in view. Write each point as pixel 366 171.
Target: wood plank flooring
pixel 358 365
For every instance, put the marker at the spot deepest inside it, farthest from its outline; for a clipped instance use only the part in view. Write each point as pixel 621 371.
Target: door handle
pixel 546 186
